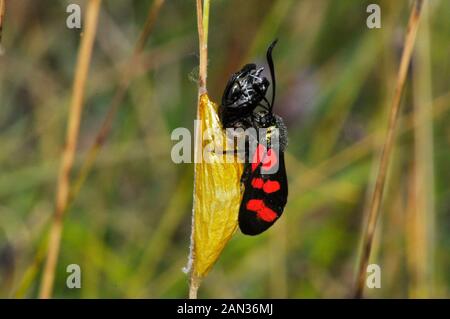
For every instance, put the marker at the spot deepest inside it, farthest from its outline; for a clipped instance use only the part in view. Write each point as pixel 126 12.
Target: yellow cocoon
pixel 217 192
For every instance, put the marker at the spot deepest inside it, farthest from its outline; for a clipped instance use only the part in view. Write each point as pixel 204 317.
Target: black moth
pixel 244 105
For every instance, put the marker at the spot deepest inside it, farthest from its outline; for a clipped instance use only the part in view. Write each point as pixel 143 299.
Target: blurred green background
pixel 129 226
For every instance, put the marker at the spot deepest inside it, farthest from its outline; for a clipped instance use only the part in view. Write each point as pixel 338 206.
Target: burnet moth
pixel 244 105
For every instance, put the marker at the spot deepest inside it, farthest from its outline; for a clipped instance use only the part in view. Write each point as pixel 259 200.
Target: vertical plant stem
pixel 194 284
pixel 420 239
pixel 106 125
pixel 377 195
pixel 2 16
pixel 75 111
pixel 118 97
pixel 202 26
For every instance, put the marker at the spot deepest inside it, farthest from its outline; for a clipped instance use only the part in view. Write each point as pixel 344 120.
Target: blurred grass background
pixel 129 226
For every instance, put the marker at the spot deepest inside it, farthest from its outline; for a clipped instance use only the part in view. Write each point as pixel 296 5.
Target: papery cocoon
pixel 217 192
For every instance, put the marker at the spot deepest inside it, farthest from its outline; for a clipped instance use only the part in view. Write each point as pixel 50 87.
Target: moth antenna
pixel 272 70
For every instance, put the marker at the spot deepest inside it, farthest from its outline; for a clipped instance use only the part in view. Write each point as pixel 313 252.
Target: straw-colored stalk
pixel 202 26
pixel 420 226
pixel 386 153
pixel 67 160
pixel 104 130
pixel 117 99
pixel 2 16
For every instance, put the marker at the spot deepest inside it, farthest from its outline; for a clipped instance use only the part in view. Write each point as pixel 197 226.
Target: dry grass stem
pixel 75 111
pixel 104 130
pixel 202 26
pixel 118 97
pixel 421 230
pixel 194 284
pixel 2 16
pixel 377 195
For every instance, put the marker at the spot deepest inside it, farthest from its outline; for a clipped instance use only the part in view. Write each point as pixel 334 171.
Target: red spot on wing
pixel 271 186
pixel 255 205
pixel 267 214
pixel 258 156
pixel 263 212
pixel 270 160
pixel 257 183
